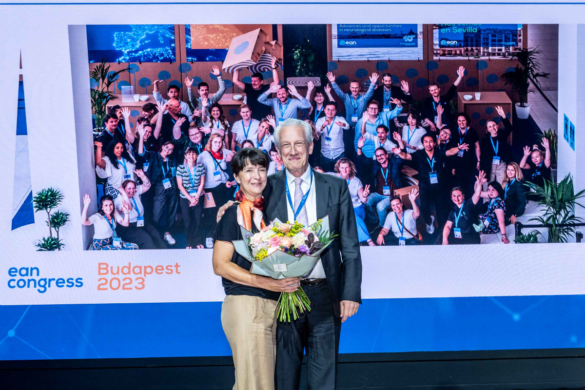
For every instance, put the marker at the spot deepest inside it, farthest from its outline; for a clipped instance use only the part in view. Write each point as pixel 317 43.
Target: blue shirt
pixel 383 119
pixel 350 102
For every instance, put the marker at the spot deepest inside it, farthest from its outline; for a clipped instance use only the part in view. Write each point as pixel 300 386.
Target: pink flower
pixel 267 228
pixel 306 232
pixel 286 242
pixel 284 228
pixel 274 241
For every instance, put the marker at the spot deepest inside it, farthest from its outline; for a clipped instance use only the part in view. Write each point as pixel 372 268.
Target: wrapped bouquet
pixel 285 250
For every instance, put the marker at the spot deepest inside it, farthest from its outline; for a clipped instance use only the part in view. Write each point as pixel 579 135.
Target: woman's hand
pixel 513 219
pixel 413 195
pixel 125 112
pixel 193 200
pixel 161 107
pixel 86 200
pixel 366 191
pixel 327 89
pixel 98 144
pixel 527 151
pixel 505 239
pixel 380 240
pixel 139 173
pixel 288 285
pixel 500 111
pixel 180 121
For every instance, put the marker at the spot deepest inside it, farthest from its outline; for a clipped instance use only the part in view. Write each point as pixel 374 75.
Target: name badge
pixel 328 139
pixel 386 108
pixel 145 166
pixel 140 221
pixel 193 193
pixel 496 160
pixel 279 267
pixel 401 241
pixel 354 118
pixel 386 191
pixel 486 222
pixel 533 190
pixel 216 173
pixel 167 184
pixel 117 242
pixel 460 153
pixel 457 232
pixel 127 177
pixel 281 119
pixel 434 178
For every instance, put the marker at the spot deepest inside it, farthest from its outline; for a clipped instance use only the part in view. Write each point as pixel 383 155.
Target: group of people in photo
pixel 410 174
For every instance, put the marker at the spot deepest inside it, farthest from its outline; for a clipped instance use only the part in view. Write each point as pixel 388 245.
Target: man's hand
pixel 396 101
pixel 327 89
pixel 331 77
pixel 271 120
pixel 463 147
pixel 274 88
pixel 397 136
pixel 404 86
pixel 125 112
pixel 361 141
pixel 188 82
pixel 196 113
pixel 292 90
pixel 161 107
pixel 98 145
pixel 180 121
pixel 215 71
pixel 365 117
pixel 348 309
pixel 222 210
pixel 374 78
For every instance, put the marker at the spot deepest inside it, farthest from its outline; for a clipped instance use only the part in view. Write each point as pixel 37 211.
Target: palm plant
pixel 57 220
pixel 46 200
pixel 558 201
pixel 530 238
pixel 553 141
pixel 49 244
pixel 101 95
pixel 305 60
pixel 526 71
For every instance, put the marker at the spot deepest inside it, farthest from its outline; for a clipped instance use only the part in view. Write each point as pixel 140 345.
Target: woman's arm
pixel 383 233
pixel 145 182
pixel 130 135
pixel 86 202
pixel 477 193
pixel 523 163
pixel 363 193
pixel 201 185
pixel 412 196
pixel 547 153
pixel 161 109
pixel 502 224
pixel 477 154
pixel 365 119
pixel 99 161
pixel 124 221
pixel 182 188
pixel 446 232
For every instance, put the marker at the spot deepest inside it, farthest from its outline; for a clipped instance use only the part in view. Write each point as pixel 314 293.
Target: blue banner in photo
pixel 478 35
pixel 377 35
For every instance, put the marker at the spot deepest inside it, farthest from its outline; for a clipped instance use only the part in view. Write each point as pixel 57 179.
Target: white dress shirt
pixel 311 206
pixel 332 143
pixel 388 145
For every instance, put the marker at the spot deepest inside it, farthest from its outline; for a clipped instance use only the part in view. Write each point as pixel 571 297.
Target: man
pixel 255 89
pixel 430 104
pixel 172 93
pixel 331 128
pixel 203 91
pixel 380 140
pixel 459 226
pixel 466 162
pixel 181 142
pixel 385 179
pixel 430 163
pixel 284 107
pixel 387 91
pixel 244 129
pixel 111 131
pixel 355 104
pixel 172 118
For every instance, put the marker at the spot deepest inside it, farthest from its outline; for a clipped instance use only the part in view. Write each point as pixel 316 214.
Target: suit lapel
pixel 278 199
pixel 322 195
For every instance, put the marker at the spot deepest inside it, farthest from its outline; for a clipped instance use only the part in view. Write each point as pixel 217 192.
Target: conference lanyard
pixel 507 188
pixel 217 125
pixel 246 132
pixel 459 215
pixel 282 111
pixel 461 139
pixel 496 147
pixel 409 134
pixel 112 225
pixel 385 176
pixel 400 227
pixel 536 171
pixel 435 105
pixel 258 144
pixel 354 103
pixel 163 169
pixel 303 200
pixel 387 95
pixel 317 114
pixel 136 207
pixel 491 203
pixel 191 176
pixel 329 128
pixel 124 164
pixel 431 163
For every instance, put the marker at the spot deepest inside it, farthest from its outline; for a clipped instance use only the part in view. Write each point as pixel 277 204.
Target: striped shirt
pixel 191 180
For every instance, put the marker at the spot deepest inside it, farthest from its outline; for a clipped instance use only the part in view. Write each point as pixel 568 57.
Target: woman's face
pixel 319 98
pixel 147 132
pixel 167 150
pixel 263 129
pixel 275 157
pixel 492 193
pixel 119 114
pixel 108 207
pixel 396 206
pixel 462 122
pixel 252 180
pixel 411 121
pixel 216 144
pixel 247 144
pixel 191 157
pixel 457 197
pixel 511 172
pixel 195 135
pixel 215 113
pixel 344 170
pixel 118 149
pixel 536 157
pixel 492 127
pixel 130 189
pixel 445 135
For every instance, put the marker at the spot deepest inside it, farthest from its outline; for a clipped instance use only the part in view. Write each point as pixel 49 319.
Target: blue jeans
pixel 329 165
pixel 360 214
pixel 381 203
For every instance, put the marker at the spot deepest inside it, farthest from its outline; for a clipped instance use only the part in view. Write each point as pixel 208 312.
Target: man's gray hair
pixel 307 129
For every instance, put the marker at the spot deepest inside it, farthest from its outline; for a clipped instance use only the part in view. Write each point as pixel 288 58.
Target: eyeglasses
pixel 373 108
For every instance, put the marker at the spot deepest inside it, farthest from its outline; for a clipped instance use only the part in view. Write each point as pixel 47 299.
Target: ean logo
pixel 348 43
pixel 408 38
pixel 445 42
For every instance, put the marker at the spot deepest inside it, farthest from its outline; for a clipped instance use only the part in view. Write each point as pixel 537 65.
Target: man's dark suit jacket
pixel 395 92
pixel 343 277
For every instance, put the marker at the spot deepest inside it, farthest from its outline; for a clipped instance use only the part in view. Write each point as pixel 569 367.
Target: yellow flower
pixel 261 254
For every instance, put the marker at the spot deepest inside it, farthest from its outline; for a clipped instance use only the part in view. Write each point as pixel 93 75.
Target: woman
pixel 514 193
pixel 276 165
pixel 538 167
pixel 493 220
pixel 317 111
pixel 459 226
pixel 401 222
pixel 116 166
pixel 150 143
pixel 494 148
pixel 247 144
pixel 359 196
pixel 104 221
pixel 162 170
pixel 216 122
pixel 412 133
pixel 138 230
pixel 190 181
pixel 218 181
pixel 248 313
pixel 464 164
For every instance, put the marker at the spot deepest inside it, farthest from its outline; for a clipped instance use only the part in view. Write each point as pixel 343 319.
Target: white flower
pixel 257 238
pixel 272 250
pixel 267 235
pixel 298 239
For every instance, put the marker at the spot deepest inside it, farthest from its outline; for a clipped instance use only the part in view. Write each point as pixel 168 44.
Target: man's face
pixel 381 157
pixel 203 91
pixel 174 107
pixel 462 122
pixel 330 111
pixel 387 81
pixel 173 93
pixel 382 135
pixel 445 135
pixel 429 143
pixel 257 83
pixel 111 124
pixel 354 88
pixel 294 149
pixel 373 110
pixel 434 91
pixel 282 95
pixel 344 170
pixel 245 113
pixel 195 135
pixel 457 197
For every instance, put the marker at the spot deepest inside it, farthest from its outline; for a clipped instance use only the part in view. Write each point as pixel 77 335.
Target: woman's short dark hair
pixel 252 156
pixel 150 107
pixel 457 189
pixel 416 118
pixel 498 187
pixel 102 200
pixel 464 115
pixel 191 150
pixel 247 142
pixel 114 109
pixel 395 197
pixel 112 157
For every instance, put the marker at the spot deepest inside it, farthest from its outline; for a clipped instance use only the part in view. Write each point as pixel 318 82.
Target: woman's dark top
pixel 515 199
pixel 464 161
pixel 466 220
pixel 536 174
pixel 501 142
pixel 229 230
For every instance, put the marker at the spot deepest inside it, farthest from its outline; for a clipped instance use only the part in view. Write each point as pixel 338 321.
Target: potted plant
pixel 305 65
pixel 558 201
pixel 530 238
pixel 100 94
pixel 527 71
pixel 46 200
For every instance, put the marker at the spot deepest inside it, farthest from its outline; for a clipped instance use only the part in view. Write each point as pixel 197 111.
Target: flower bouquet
pixel 285 250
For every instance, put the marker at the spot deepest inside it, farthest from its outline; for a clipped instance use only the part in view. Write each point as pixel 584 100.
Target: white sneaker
pixel 168 238
pixel 431 226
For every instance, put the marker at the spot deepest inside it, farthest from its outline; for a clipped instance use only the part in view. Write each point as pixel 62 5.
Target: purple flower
pixel 304 249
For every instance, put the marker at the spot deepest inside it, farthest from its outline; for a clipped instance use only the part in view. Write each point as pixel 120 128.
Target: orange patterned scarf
pixel 246 207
